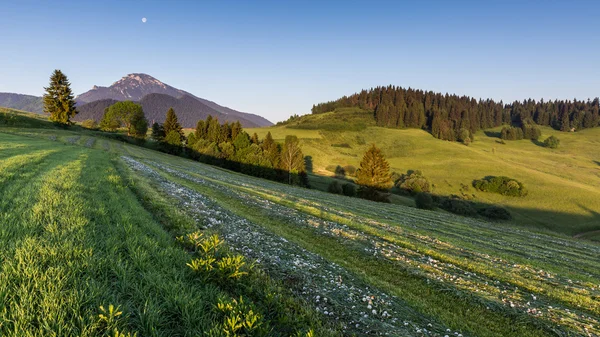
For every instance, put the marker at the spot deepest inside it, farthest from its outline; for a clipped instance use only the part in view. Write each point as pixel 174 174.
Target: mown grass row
pixel 459 310
pixel 81 256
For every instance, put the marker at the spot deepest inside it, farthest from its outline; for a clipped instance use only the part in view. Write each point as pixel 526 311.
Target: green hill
pixel 100 237
pixel 564 183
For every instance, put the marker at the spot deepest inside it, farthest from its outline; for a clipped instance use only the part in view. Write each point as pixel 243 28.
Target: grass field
pixel 89 222
pixel 564 184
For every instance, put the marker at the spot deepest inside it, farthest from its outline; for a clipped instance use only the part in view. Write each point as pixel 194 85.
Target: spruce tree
pixel 254 139
pixel 172 124
pixel 374 175
pixel 236 129
pixel 59 101
pixel 214 130
pixel 200 132
pixel 158 132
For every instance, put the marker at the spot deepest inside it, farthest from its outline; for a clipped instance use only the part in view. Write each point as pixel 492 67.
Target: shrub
pixel 501 185
pixel 334 187
pixel 340 172
pixel 413 182
pixel 89 124
pixel 331 168
pixel 531 131
pixel 552 142
pixel 495 212
pixel 464 136
pixel 459 207
pixel 511 133
pixel 349 189
pixel 424 201
pixel 350 170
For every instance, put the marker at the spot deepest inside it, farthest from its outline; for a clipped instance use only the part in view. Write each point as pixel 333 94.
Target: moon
pixel 144 20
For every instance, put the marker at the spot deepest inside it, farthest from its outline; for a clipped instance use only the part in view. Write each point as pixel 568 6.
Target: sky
pixel 278 58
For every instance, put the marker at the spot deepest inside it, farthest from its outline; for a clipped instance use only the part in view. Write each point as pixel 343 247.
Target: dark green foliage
pixel 228 145
pixel 335 187
pixel 158 132
pixel 552 142
pixel 501 185
pixel 424 201
pixel 59 101
pixel 413 182
pixel 511 133
pixel 457 206
pixel 446 115
pixel 128 114
pixel 495 213
pixel 340 172
pixel 172 124
pixel 349 190
pixel 531 131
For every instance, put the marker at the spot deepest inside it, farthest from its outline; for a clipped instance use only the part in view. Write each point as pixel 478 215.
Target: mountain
pixel 188 109
pixel 136 86
pixel 22 102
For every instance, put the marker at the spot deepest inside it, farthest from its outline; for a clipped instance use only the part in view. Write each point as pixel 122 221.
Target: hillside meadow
pixel 159 245
pixel 563 184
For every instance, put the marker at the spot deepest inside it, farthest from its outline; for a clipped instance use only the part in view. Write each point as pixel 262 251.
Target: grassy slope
pixel 74 237
pixel 451 271
pixel 564 184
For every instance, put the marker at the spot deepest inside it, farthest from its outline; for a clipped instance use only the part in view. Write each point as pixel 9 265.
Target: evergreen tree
pixel 373 176
pixel 172 124
pixel 214 130
pixel 254 139
pixel 200 132
pixel 158 132
pixel 59 101
pixel 236 129
pixel 173 138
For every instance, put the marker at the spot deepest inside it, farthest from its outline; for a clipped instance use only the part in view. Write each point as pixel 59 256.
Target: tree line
pixel 453 117
pixel 229 146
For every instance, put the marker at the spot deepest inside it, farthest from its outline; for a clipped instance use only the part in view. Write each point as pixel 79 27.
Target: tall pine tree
pixel 172 124
pixel 59 101
pixel 373 176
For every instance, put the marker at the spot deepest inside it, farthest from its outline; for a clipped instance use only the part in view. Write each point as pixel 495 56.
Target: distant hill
pixel 188 109
pixel 22 102
pixel 137 86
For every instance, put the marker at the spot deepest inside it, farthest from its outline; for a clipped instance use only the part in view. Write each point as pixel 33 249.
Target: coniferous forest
pixel 449 117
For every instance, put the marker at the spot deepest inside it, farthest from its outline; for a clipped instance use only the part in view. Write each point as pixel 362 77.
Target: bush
pixel 334 187
pixel 501 185
pixel 552 142
pixel 350 170
pixel 331 168
pixel 413 182
pixel 495 213
pixel 459 207
pixel 349 190
pixel 511 133
pixel 340 172
pixel 89 124
pixel 424 201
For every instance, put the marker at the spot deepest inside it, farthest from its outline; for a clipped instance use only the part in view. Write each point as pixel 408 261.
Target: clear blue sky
pixel 277 58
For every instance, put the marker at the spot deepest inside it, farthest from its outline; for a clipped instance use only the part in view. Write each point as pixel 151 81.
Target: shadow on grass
pixel 493 134
pixel 538 143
